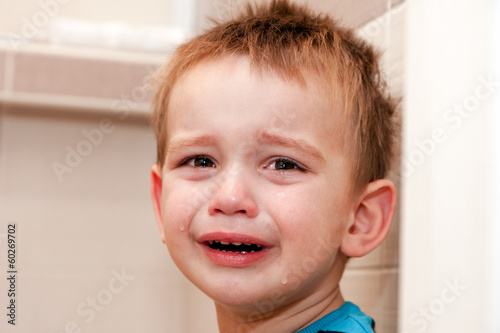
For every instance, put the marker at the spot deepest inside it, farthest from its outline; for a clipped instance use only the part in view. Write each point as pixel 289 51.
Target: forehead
pixel 246 95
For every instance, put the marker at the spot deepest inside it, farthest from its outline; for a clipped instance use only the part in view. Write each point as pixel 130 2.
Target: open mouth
pixel 234 247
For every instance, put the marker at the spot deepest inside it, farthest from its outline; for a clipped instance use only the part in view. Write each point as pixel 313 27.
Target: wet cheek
pixel 180 205
pixel 176 220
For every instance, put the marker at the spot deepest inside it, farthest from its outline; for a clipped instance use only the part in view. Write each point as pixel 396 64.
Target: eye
pixel 199 161
pixel 282 164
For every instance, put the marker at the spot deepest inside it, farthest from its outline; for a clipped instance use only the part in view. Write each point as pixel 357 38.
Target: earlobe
pixel 372 219
pixel 156 189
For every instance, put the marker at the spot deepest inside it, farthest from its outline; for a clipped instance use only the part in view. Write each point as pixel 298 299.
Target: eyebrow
pixel 181 143
pixel 267 137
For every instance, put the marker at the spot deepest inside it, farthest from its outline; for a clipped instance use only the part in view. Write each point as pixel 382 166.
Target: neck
pixel 291 317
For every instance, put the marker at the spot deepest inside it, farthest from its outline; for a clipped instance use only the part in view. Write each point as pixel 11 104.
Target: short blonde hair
pixel 290 40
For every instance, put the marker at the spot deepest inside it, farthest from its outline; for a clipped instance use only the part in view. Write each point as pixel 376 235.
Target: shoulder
pixel 346 319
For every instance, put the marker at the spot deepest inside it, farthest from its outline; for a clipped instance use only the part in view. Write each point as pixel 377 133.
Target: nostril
pixel 218 210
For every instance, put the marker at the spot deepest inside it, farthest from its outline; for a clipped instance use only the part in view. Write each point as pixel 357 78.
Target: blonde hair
pixel 291 41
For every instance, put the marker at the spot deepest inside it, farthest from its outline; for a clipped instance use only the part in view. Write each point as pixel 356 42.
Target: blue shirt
pixel 346 319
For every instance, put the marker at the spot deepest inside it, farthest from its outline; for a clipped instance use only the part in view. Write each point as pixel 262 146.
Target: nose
pixel 233 195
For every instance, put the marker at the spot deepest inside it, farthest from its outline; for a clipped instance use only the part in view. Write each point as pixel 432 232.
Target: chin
pixel 237 297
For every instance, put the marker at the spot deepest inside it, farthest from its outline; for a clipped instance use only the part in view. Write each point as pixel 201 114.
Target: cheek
pixel 181 203
pixel 307 215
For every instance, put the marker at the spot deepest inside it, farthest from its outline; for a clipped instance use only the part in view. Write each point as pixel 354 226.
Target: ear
pixel 372 219
pixel 156 186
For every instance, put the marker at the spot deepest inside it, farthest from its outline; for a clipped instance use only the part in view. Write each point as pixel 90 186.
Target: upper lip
pixel 233 238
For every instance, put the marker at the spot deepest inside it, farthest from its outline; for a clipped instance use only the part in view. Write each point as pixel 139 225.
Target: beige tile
pixel 371 260
pixel 353 13
pixel 376 293
pixel 140 306
pixel 65 75
pixel 2 70
pixel 386 32
pixel 396 55
pixel 200 304
pixel 390 246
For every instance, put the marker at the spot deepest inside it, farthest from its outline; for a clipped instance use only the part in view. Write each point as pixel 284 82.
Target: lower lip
pixel 234 259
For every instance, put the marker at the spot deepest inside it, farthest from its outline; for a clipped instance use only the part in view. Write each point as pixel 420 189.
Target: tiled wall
pixel 93 220
pixel 99 218
pixel 2 70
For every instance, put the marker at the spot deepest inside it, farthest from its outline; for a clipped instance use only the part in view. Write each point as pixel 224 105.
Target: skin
pixel 251 155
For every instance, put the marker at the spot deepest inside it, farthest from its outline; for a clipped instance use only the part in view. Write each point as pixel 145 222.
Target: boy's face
pixel 254 159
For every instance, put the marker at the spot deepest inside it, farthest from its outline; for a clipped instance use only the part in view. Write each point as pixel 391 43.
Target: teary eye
pixel 281 164
pixel 200 161
pixel 284 165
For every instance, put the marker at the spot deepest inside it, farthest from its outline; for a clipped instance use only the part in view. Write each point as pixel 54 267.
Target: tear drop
pixel 284 280
pixel 181 228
